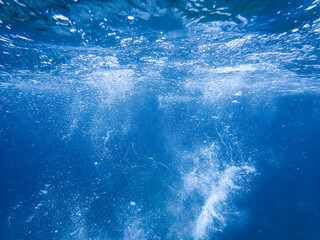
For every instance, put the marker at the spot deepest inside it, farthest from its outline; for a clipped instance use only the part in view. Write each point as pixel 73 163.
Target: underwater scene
pixel 160 119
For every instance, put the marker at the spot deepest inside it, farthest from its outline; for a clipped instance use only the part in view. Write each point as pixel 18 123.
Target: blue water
pixel 159 119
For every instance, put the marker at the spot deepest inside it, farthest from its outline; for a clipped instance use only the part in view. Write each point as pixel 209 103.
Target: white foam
pixel 216 180
pixel 239 68
pixel 212 215
pixel 112 84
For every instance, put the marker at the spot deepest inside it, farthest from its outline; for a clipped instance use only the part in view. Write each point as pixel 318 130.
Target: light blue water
pixel 159 119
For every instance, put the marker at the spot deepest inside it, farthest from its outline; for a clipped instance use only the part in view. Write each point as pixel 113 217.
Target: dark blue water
pixel 159 119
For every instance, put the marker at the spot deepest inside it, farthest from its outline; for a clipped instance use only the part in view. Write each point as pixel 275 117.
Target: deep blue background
pixel 81 157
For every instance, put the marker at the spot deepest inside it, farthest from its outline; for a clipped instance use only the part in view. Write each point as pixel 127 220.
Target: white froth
pixel 112 84
pixel 239 68
pixel 217 181
pixel 212 215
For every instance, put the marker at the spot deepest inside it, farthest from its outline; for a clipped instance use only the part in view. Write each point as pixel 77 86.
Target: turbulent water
pixel 158 119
